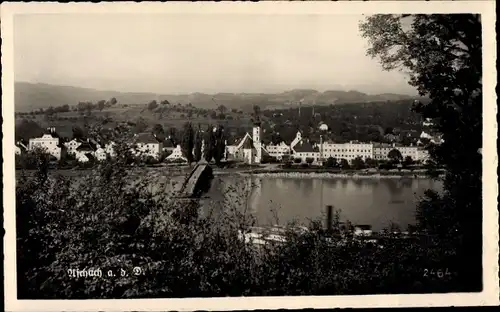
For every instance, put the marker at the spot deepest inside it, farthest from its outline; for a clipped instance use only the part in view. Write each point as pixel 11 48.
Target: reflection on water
pixel 364 201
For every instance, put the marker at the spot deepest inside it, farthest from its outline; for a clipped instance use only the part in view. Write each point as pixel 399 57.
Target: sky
pixel 174 53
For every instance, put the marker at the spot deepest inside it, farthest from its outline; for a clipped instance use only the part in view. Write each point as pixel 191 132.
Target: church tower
pixel 256 141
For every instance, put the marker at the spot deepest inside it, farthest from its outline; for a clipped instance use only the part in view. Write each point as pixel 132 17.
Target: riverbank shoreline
pixel 336 175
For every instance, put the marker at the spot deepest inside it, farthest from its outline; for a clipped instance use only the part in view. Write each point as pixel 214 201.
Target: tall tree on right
pixel 208 150
pixel 442 55
pixel 187 142
pixel 220 145
pixel 198 142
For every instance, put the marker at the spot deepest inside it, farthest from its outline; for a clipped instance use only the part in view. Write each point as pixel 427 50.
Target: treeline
pixel 197 144
pixel 393 121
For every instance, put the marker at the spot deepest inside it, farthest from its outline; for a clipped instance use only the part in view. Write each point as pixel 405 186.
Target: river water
pixel 376 202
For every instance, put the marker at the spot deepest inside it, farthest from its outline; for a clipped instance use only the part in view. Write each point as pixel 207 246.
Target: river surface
pixel 376 202
pixel 271 200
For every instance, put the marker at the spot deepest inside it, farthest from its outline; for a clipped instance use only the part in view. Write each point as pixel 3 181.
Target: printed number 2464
pixel 440 273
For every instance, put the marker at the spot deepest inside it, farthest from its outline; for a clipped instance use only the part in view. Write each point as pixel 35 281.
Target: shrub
pixel 297 160
pixel 330 162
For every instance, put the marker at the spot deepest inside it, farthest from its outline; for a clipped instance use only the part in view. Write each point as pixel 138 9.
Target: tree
pixel 395 155
pixel 89 106
pixel 222 109
pixel 442 54
pixel 159 132
pixel 256 113
pixel 408 161
pixel 173 134
pixel 371 163
pixel 358 163
pixel 344 164
pixel 152 105
pixel 330 162
pixel 140 125
pixel 28 129
pixel 165 102
pixel 208 150
pixel 198 142
pixel 187 142
pixel 220 145
pixel 101 104
pixel 113 101
pixel 78 133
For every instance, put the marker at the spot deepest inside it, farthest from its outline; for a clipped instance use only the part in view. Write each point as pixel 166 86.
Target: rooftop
pixel 146 138
pixel 305 147
pixel 86 147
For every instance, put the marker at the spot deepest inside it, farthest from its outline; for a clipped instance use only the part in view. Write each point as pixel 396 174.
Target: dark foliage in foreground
pixel 443 55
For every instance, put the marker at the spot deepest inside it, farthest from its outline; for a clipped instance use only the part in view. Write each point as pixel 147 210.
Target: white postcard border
pixel 490 295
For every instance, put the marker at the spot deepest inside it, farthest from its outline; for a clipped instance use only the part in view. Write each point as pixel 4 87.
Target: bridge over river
pixel 198 181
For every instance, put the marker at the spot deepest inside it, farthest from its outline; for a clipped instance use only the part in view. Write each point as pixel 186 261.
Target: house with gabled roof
pixel 297 140
pixel 278 150
pixel 147 144
pixel 85 152
pixel 73 145
pixel 169 144
pixel 105 148
pixel 250 148
pixel 50 143
pixel 304 149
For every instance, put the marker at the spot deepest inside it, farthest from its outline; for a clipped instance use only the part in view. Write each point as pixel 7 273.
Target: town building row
pixel 85 150
pixel 249 149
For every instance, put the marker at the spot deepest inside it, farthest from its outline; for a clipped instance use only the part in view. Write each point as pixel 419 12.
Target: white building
pixel 146 144
pixel 176 154
pixel 169 145
pixel 86 151
pixel 304 150
pixel 427 122
pixel 417 153
pixel 249 149
pixel 381 151
pixel 422 155
pixel 73 145
pixel 257 142
pixel 347 151
pixel 48 142
pixel 408 151
pixel 100 154
pixel 278 150
pixel 363 230
pixel 298 138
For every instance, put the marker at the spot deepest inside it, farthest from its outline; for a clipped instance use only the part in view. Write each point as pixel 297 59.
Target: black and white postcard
pixel 230 156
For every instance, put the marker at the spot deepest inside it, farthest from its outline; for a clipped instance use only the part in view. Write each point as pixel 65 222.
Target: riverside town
pixel 218 170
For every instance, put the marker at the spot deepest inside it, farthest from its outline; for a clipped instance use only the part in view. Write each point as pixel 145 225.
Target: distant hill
pixel 29 96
